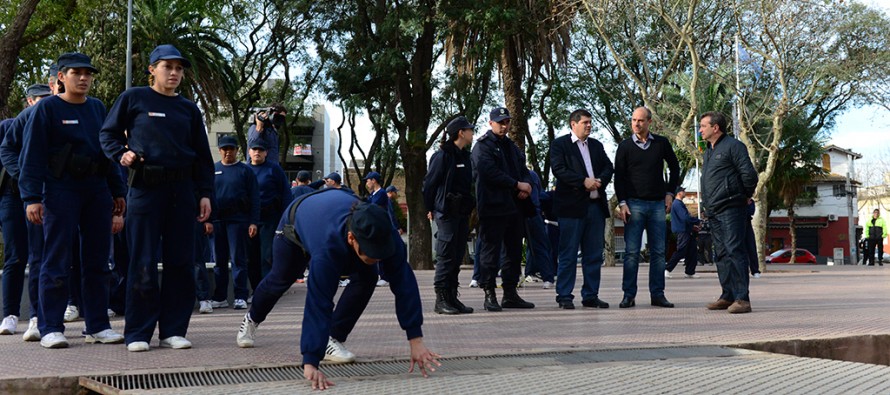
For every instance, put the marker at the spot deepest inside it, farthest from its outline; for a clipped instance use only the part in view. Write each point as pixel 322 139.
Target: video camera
pixel 267 114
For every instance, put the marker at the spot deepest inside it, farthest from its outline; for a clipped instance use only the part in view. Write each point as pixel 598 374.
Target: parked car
pixel 784 256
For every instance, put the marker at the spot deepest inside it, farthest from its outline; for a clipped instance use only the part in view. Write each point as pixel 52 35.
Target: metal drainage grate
pixel 117 384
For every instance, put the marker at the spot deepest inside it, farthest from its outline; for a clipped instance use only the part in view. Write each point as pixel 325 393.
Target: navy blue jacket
pixel 570 199
pixel 728 177
pixel 681 220
pixel 52 125
pixel 320 224
pixel 448 160
pixel 5 126
pixel 237 195
pixel 300 190
pixel 11 147
pixel 165 130
pixel 274 190
pixel 269 137
pixel 498 165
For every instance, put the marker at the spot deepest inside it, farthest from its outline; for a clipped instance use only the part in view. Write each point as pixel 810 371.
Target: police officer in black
pixel 502 195
pixel 448 199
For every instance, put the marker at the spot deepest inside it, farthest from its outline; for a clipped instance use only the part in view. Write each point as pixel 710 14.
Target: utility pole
pixel 851 230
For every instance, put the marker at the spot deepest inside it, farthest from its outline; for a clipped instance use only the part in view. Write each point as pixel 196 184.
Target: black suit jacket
pixel 571 199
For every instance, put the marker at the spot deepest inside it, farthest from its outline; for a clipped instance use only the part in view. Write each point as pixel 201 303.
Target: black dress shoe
pixel 627 302
pixel 568 305
pixel 661 302
pixel 595 303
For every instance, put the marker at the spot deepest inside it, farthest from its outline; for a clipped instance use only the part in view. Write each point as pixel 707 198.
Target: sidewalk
pixel 799 302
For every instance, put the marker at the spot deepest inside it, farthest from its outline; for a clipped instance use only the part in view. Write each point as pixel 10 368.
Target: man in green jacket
pixel 875 233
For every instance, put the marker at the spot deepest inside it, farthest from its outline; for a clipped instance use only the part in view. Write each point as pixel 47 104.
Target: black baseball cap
pixel 499 114
pixel 334 177
pixel 54 70
pixel 392 188
pixel 258 145
pixel 456 125
pixel 38 90
pixel 75 60
pixel 227 141
pixel 167 52
pixel 680 189
pixel 373 230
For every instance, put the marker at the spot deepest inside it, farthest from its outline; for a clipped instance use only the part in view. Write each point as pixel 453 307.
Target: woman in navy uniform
pixel 171 181
pixel 67 185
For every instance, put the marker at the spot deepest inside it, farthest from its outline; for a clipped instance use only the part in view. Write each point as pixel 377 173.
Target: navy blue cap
pixel 335 177
pixel 74 60
pixel 680 189
pixel 372 228
pixel 167 52
pixel 392 188
pixel 304 175
pixel 499 114
pixel 258 144
pixel 227 141
pixel 456 125
pixel 38 90
pixel 373 175
pixel 54 70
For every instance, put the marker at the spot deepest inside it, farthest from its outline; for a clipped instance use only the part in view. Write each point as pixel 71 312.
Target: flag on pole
pixel 700 143
pixel 746 60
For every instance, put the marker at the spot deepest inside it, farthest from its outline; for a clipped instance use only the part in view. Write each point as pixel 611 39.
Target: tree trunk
pixel 760 222
pixel 10 47
pixel 792 230
pixel 513 92
pixel 419 231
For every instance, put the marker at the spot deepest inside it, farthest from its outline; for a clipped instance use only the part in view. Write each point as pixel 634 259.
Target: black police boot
pixel 443 305
pixel 511 300
pixel 463 309
pixel 491 300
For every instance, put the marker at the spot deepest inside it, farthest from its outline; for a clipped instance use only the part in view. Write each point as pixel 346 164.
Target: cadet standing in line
pixel 68 185
pixel 275 195
pixel 237 202
pixel 165 147
pixel 336 233
pixel 448 197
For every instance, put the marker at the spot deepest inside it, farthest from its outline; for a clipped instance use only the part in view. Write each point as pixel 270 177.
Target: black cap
pixel 73 60
pixel 258 145
pixel 304 175
pixel 227 141
pixel 334 177
pixel 680 189
pixel 372 228
pixel 167 52
pixel 456 125
pixel 392 188
pixel 499 114
pixel 373 175
pixel 54 70
pixel 38 90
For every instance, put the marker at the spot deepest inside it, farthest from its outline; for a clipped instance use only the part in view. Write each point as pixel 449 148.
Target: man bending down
pixel 337 234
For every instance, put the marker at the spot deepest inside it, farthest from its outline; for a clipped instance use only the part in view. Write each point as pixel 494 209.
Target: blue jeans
pixel 586 233
pixel 230 243
pixel 646 215
pixel 537 257
pixel 728 232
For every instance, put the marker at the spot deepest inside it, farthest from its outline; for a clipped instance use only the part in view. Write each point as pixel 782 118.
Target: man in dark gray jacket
pixel 728 180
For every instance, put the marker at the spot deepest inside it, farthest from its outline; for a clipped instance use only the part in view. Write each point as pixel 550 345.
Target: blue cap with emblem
pixel 499 114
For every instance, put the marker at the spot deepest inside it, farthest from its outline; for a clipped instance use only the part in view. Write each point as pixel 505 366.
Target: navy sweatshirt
pixel 273 187
pixel 236 193
pixel 321 227
pixel 52 125
pixel 5 126
pixel 11 147
pixel 165 130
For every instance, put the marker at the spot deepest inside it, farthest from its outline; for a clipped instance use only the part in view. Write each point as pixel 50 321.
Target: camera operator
pixel 267 122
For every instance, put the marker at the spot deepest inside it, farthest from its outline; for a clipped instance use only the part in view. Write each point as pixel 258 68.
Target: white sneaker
pixel 756 275
pixel 247 333
pixel 240 304
pixel 337 352
pixel 474 284
pixel 205 307
pixel 220 304
pixel 54 340
pixel 176 343
pixel 667 274
pixel 71 313
pixel 250 299
pixel 344 283
pixel 111 313
pixel 137 346
pixel 692 276
pixel 547 285
pixel 382 283
pixel 108 336
pixel 8 325
pixel 531 279
pixel 32 334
